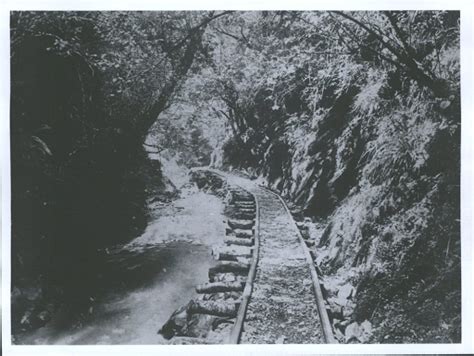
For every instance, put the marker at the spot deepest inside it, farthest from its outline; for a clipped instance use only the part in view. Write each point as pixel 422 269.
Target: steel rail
pixel 236 332
pixel 323 315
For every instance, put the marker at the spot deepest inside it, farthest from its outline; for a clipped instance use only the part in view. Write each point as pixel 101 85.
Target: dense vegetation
pixel 86 88
pixel 353 116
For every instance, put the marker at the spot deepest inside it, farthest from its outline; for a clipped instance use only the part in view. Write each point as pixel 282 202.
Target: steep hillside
pixel 368 149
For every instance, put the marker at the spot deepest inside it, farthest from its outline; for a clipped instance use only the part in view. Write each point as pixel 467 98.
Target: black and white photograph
pixel 219 177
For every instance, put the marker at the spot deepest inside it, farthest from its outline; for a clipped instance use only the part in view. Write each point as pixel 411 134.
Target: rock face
pixel 381 177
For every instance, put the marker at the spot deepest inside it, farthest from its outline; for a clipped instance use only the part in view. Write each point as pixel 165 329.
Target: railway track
pixel 264 287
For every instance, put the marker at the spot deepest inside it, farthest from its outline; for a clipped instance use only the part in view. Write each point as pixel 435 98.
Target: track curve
pixel 286 303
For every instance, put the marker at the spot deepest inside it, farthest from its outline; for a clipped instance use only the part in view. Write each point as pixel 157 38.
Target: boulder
pixel 353 332
pixel 176 324
pixel 356 332
pixel 188 322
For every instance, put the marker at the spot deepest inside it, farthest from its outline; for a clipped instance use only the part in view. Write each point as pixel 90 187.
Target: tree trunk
pixel 193 39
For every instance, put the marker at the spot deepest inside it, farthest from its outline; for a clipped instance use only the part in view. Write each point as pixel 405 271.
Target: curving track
pixel 280 300
pixel 286 303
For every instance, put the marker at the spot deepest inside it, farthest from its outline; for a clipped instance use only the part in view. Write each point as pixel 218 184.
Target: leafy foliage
pixel 353 116
pixel 86 88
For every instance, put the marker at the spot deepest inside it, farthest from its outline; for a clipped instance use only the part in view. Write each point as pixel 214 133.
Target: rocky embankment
pixel 338 289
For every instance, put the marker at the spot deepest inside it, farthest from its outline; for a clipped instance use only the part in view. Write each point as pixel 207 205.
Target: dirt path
pixel 282 307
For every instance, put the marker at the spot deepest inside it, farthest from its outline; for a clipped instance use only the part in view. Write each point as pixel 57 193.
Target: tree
pixel 397 47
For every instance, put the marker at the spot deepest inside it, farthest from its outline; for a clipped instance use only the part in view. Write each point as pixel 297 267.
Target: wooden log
pixel 213 308
pixel 222 296
pixel 239 242
pixel 231 232
pixel 236 250
pixel 240 237
pixel 240 224
pixel 237 210
pixel 244 260
pixel 226 277
pixel 242 216
pixel 245 209
pixel 226 257
pixel 239 207
pixel 217 287
pixel 242 196
pixel 248 200
pixel 231 254
pixel 243 233
pixel 239 200
pixel 245 205
pixel 229 266
pixel 248 234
